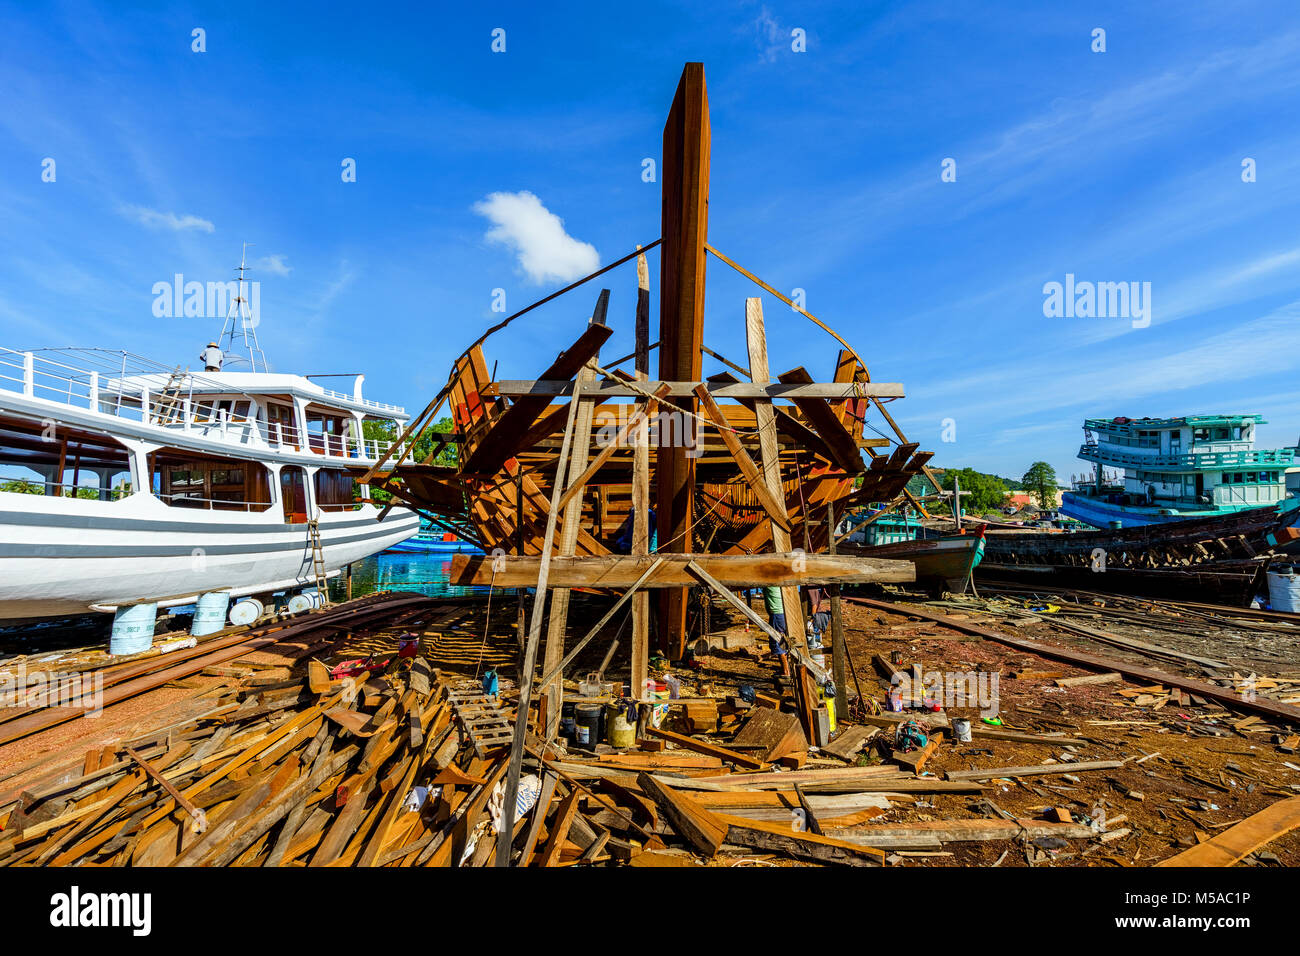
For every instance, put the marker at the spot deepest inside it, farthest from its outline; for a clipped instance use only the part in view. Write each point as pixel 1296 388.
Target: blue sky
pixel 1117 166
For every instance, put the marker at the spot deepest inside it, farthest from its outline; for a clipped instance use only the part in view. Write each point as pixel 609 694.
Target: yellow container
pixel 622 732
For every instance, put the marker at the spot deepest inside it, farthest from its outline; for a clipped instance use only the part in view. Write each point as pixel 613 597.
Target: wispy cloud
pixel 166 220
pixel 771 38
pixel 275 265
pixel 536 235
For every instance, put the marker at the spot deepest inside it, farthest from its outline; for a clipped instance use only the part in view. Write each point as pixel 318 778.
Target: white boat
pixel 123 482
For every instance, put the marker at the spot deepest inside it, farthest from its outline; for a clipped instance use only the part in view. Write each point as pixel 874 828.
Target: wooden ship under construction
pixel 559 478
pixel 744 465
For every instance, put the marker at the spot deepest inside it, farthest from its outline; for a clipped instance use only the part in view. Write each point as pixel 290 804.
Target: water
pixel 428 574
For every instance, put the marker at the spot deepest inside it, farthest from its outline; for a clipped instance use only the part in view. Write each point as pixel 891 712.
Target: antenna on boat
pixel 240 319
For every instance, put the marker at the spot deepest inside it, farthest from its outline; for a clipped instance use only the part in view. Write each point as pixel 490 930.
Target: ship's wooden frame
pixel 772 457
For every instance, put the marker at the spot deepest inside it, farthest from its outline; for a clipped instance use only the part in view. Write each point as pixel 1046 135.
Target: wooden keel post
pixel 641 487
pixel 685 219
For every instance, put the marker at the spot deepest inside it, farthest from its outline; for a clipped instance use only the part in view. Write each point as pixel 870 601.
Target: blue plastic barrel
pixel 133 627
pixel 210 613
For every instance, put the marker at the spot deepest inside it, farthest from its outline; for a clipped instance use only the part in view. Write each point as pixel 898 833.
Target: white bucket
pixel 304 601
pixel 1284 592
pixel 961 730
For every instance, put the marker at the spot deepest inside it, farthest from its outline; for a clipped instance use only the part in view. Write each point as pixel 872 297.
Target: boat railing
pixel 1196 460
pixel 212 504
pixel 27 485
pixel 98 383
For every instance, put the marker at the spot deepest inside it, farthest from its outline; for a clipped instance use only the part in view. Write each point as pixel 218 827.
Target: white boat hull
pixel 62 556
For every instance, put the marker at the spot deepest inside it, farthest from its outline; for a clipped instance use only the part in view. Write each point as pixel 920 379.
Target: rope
pixel 487 620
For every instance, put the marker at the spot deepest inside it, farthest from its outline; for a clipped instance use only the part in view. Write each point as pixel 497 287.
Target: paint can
pixel 622 732
pixel 895 657
pixel 133 627
pixel 587 725
pixel 210 613
pixel 961 730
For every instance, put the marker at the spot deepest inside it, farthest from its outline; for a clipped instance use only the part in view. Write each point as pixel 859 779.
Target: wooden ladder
pixel 167 409
pixel 318 562
pixel 482 721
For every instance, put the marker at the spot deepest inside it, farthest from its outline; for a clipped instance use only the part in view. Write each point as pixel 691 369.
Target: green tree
pixel 387 430
pixel 1040 481
pixel 22 486
pixel 980 492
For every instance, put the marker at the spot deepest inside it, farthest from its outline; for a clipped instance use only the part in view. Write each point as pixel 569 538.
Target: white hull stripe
pixel 170 551
pixel 98 523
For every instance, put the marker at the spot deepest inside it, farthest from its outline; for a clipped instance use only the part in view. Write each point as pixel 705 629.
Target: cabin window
pixel 73 464
pixel 1200 434
pixel 182 480
pixel 334 490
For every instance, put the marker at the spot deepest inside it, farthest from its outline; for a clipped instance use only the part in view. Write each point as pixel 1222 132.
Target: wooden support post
pixel 756 338
pixel 685 216
pixel 641 487
pixel 505 837
pixel 838 650
pixel 553 691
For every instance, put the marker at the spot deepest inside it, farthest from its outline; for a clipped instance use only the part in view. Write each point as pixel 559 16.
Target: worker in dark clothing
pixel 212 358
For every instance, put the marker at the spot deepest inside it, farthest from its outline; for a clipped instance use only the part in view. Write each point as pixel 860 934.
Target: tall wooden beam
pixel 685 220
pixel 553 691
pixel 756 339
pixel 641 486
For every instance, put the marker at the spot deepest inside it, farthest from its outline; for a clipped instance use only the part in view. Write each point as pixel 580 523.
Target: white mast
pixel 239 317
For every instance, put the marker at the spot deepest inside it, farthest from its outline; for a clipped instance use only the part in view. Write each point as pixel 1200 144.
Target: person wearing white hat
pixel 212 358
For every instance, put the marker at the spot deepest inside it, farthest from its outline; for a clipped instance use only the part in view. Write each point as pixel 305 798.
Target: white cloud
pixel 275 265
pixel 771 37
pixel 536 235
pixel 167 220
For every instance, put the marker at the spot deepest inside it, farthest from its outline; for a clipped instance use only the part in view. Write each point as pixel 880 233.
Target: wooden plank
pixel 1239 841
pixel 571 513
pixel 559 830
pixel 775 732
pixel 843 446
pixel 621 571
pixel 769 456
pixel 605 389
pixel 848 744
pixel 1032 771
pixel 701 747
pixel 684 227
pixel 502 442
pixel 960 831
pixel 779 838
pixel 698 826
pixel 505 837
pixel 772 504
pixel 640 666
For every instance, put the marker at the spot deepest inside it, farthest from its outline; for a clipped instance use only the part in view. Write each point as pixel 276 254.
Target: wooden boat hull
pixel 946 561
